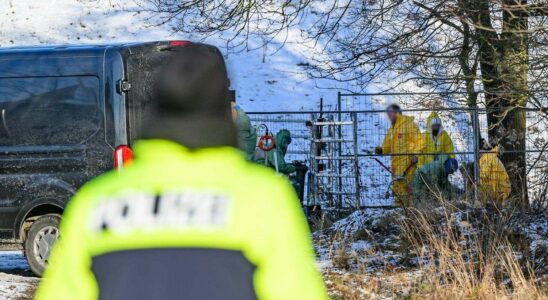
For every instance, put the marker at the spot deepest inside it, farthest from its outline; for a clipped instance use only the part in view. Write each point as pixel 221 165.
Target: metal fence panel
pixel 296 123
pixel 367 130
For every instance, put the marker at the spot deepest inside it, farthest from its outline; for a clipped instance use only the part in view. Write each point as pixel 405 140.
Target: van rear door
pixel 140 74
pixel 142 63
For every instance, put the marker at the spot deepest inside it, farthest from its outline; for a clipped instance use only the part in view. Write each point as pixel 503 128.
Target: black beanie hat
pixel 190 92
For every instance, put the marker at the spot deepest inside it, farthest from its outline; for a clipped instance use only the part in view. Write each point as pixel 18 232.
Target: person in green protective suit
pixel 432 179
pixel 189 218
pixel 276 157
pixel 247 136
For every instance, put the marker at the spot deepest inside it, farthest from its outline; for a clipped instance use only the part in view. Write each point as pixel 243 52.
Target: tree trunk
pixel 515 67
pixel 508 121
pixel 504 69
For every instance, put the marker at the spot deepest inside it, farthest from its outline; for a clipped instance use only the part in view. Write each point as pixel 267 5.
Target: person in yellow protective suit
pixel 436 140
pixel 190 218
pixel 494 180
pixel 402 141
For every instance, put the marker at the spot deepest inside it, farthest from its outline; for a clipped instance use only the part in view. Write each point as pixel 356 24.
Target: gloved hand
pixel 378 150
pixel 414 159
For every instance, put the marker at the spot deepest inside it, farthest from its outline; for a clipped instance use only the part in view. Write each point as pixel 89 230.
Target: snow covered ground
pixel 367 255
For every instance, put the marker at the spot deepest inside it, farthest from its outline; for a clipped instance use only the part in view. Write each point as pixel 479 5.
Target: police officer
pixel 189 218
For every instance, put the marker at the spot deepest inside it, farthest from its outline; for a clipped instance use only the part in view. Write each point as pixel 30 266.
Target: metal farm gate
pixel 319 141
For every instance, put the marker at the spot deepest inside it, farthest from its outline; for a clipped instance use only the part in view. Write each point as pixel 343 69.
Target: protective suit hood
pixel 433 116
pixel 283 139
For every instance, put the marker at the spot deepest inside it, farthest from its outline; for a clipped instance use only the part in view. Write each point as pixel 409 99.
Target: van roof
pixel 83 48
pixel 71 59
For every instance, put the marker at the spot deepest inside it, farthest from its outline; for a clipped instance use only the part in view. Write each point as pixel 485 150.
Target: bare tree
pixel 494 46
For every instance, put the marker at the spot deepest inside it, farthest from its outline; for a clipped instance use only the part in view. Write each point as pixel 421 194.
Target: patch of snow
pixel 324 264
pixel 537 232
pixel 356 221
pixel 16 287
pixel 360 246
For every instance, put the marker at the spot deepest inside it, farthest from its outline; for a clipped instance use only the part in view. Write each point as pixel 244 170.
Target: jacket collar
pixel 402 120
pixel 165 151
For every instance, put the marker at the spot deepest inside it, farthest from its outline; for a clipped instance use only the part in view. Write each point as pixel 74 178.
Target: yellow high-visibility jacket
pixel 494 180
pixel 181 224
pixel 440 143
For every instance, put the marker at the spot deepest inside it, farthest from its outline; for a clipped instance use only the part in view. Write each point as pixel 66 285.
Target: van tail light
pixel 166 46
pixel 179 43
pixel 122 156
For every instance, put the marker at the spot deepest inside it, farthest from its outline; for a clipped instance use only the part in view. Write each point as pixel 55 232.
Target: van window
pixel 48 110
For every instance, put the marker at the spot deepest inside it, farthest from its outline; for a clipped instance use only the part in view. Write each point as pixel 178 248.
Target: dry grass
pixel 464 262
pixel 451 252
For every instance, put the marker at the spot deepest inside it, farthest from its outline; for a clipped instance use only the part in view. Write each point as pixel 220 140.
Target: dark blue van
pixel 67 114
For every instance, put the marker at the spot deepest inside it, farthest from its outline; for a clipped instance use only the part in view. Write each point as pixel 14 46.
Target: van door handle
pixel 123 86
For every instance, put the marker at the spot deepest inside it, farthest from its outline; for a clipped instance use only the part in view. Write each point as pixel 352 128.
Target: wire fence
pixel 358 158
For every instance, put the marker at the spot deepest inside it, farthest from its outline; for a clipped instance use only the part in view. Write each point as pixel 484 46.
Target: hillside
pixel 266 79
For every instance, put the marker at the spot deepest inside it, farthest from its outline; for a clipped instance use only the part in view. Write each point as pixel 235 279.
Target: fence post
pixel 477 134
pixel 356 161
pixel 312 184
pixel 339 145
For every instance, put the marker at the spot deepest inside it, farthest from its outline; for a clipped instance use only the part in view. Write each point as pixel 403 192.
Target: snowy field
pixel 266 75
